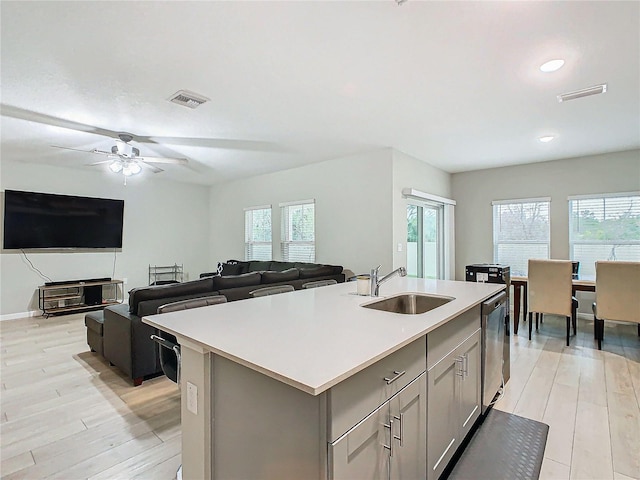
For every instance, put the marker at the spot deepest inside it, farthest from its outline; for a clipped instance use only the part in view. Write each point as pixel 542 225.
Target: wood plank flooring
pixel 66 414
pixel 589 398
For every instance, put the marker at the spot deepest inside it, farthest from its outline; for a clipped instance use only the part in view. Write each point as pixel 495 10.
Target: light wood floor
pixel 66 414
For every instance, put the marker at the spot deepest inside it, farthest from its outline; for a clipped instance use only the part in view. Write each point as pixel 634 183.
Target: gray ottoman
pixel 94 321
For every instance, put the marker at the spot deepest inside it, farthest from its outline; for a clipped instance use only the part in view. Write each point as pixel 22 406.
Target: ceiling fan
pixel 126 159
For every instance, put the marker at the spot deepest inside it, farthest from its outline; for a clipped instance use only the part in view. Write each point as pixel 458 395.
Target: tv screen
pixel 44 220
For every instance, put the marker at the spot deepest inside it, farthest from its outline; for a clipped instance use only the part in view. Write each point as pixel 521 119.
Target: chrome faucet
pixel 375 283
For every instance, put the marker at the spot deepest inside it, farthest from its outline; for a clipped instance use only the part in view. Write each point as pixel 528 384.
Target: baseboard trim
pixel 15 316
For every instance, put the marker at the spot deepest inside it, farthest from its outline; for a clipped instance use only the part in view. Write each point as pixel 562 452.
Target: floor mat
pixel 505 446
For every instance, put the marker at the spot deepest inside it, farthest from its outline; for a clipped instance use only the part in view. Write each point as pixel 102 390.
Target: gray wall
pixel 352 210
pixel 360 212
pixel 164 223
pixel 474 191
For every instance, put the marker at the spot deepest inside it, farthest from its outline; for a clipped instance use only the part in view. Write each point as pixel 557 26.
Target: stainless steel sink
pixel 409 303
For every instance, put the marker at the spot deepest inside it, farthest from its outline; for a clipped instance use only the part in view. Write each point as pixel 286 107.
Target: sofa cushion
pixel 255 266
pixel 244 280
pixel 316 271
pixel 137 295
pixel 275 266
pixel 233 268
pixel 284 276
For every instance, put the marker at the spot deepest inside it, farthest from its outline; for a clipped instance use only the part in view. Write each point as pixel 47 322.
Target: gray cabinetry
pixel 453 387
pixel 390 443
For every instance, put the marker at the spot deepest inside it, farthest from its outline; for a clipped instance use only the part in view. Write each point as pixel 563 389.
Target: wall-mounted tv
pixel 44 220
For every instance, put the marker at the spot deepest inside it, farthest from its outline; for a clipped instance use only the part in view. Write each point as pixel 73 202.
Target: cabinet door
pixel 443 383
pixel 408 410
pixel 360 453
pixel 470 387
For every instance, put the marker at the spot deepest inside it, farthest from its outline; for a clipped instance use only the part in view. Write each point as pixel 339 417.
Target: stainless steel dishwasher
pixel 493 338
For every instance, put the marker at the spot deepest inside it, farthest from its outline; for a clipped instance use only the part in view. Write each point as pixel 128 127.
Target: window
pixel 520 232
pixel 298 231
pixel 604 227
pixel 257 233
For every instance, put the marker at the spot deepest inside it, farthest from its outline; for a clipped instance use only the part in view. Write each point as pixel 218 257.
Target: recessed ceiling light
pixel 546 139
pixel 552 65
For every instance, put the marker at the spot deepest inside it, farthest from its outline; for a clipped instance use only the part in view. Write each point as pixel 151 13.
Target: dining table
pixel 578 283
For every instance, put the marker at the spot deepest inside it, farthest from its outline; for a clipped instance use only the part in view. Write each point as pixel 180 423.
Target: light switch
pixel 192 398
pixel 399 247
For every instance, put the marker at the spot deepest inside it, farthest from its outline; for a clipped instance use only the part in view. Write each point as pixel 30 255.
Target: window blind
pixel 520 232
pixel 257 233
pixel 604 227
pixel 298 231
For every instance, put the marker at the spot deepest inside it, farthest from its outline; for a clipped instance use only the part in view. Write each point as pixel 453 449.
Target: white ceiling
pixel 455 84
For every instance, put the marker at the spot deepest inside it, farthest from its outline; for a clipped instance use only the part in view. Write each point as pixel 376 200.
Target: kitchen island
pixel 310 384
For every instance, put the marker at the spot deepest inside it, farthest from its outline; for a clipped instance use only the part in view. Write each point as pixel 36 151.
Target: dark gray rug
pixel 505 446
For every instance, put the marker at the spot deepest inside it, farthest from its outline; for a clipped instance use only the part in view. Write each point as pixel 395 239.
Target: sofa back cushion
pixel 322 271
pixel 258 266
pixel 137 295
pixel 244 280
pixel 277 277
pixel 276 266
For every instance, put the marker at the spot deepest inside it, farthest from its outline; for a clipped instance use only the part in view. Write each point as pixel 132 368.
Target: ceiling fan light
pixel 135 168
pixel 115 166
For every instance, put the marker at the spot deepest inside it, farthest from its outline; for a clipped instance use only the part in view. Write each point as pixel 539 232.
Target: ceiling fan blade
pixel 223 143
pixel 99 162
pixel 31 116
pixel 153 168
pixel 95 150
pixel 175 161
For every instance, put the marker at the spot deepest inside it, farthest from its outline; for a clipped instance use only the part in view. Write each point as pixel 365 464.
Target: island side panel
pixel 196 427
pixel 264 428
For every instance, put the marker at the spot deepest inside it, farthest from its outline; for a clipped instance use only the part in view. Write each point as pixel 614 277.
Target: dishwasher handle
pixel 493 303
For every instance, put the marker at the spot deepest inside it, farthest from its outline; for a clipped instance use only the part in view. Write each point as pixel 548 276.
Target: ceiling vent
pixel 585 92
pixel 188 99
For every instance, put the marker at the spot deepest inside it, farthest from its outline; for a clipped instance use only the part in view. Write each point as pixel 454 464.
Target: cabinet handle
pixel 397 376
pixel 401 418
pixel 390 446
pixel 460 358
pixel 466 364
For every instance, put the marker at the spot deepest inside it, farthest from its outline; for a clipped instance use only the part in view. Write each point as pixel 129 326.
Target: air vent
pixel 585 92
pixel 188 99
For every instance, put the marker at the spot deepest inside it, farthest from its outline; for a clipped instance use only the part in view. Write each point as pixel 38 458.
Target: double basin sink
pixel 409 303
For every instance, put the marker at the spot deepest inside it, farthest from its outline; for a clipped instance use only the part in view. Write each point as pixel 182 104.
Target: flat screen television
pixel 44 220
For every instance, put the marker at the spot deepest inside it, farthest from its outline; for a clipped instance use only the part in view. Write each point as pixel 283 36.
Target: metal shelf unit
pixel 165 274
pixel 79 296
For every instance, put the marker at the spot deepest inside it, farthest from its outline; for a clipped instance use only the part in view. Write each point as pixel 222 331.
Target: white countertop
pixel 313 339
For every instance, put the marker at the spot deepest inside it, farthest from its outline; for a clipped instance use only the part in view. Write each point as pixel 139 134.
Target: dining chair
pixel 550 291
pixel 264 291
pixel 617 295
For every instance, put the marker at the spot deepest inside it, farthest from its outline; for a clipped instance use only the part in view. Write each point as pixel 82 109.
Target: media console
pixel 57 298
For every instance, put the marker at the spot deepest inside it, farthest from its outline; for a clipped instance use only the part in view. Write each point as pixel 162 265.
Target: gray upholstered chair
pixel 319 283
pixel 617 295
pixel 169 349
pixel 550 291
pixel 264 291
pixel 170 357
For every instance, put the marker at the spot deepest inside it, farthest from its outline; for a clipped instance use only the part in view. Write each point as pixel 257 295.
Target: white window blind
pixel 257 233
pixel 520 232
pixel 604 227
pixel 298 231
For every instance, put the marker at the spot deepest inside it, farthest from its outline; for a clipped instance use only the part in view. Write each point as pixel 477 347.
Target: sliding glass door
pixel 425 241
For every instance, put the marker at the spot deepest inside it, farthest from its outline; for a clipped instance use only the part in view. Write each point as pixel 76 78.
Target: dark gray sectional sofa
pixel 126 339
